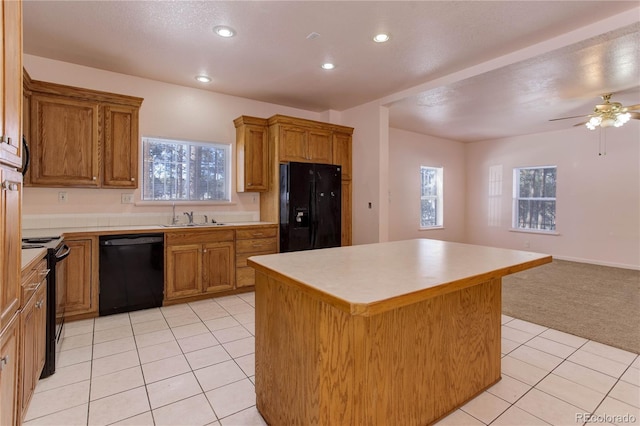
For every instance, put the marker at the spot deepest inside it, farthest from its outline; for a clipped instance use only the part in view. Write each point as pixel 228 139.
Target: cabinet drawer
pixel 31 279
pixel 247 234
pixel 255 246
pixel 241 259
pixel 245 276
pixel 198 237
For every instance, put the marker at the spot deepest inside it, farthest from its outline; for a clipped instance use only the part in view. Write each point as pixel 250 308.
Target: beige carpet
pixel 595 302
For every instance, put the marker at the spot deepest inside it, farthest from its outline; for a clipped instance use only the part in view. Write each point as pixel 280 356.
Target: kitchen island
pixel 392 333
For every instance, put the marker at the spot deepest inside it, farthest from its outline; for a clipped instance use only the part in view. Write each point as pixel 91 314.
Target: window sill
pixel 534 231
pixel 184 203
pixel 431 228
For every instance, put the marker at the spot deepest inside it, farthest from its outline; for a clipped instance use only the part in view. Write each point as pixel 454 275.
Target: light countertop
pixel 396 273
pixel 44 232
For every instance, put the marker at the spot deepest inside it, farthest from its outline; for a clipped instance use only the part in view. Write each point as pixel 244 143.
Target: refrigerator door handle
pixel 313 225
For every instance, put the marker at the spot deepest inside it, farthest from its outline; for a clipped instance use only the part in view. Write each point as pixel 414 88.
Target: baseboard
pixel 597 262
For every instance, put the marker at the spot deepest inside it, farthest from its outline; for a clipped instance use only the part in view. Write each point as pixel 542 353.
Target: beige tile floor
pixel 193 364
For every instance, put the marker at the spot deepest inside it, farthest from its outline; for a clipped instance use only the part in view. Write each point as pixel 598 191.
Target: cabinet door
pixel 79 276
pixel 9 373
pixel 120 146
pixel 342 153
pixel 319 147
pixel 183 271
pixel 346 213
pixel 64 145
pixel 41 328
pixel 256 158
pixel 293 144
pixel 11 81
pixel 218 267
pixel 10 250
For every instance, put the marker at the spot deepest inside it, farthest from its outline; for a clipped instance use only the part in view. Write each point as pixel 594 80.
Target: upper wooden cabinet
pixel 306 145
pixel 252 154
pixel 64 144
pixel 120 146
pixel 80 137
pixel 11 83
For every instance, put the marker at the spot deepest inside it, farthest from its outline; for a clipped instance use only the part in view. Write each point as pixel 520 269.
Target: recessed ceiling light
pixel 203 78
pixel 223 31
pixel 381 38
pixel 328 66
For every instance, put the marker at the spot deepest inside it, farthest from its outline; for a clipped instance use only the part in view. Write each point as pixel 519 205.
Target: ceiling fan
pixel 607 114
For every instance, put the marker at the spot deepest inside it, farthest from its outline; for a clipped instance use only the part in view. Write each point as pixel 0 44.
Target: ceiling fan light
pixel 624 117
pixel 590 125
pixel 595 121
pixel 607 122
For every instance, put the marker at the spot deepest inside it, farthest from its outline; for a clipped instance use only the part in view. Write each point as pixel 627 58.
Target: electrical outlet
pixel 526 244
pixel 254 199
pixel 62 197
pixel 126 199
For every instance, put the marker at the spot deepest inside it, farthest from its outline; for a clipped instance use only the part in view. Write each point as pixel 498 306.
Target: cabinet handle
pixel 39 304
pixel 7 185
pixel 5 139
pixel 95 178
pixel 133 179
pixel 4 361
pixel 204 250
pixel 44 272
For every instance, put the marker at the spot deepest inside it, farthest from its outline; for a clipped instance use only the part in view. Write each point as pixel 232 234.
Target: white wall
pixel 368 179
pixel 407 152
pixel 169 111
pixel 598 197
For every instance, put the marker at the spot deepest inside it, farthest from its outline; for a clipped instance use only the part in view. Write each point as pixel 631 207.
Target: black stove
pixel 57 251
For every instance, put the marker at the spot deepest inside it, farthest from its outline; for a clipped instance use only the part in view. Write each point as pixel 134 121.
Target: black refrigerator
pixel 310 205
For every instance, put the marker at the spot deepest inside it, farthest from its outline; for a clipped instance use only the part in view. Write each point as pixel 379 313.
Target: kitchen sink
pixel 193 225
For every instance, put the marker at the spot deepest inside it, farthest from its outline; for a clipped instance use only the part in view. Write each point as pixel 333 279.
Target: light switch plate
pixel 126 199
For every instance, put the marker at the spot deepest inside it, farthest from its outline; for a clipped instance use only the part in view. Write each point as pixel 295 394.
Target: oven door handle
pixel 64 255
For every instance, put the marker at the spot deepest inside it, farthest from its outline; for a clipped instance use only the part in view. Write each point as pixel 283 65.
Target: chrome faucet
pixel 190 216
pixel 206 219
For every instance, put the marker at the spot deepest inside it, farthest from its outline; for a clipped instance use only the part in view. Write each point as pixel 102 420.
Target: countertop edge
pixel 380 306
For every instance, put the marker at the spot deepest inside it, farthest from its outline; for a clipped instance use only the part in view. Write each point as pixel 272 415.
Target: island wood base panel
pixel 319 365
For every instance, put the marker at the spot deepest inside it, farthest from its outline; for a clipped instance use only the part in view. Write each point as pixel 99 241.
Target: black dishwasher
pixel 131 272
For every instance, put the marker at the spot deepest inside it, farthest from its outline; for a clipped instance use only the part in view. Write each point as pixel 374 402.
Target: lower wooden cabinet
pixel 9 372
pixel 198 263
pixel 33 321
pixel 81 289
pixel 252 242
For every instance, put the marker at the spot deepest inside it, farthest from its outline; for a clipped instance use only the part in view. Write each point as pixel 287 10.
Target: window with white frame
pixel 179 170
pixel 534 198
pixel 431 205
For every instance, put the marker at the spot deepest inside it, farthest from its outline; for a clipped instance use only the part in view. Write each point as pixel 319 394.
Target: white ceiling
pixel 462 70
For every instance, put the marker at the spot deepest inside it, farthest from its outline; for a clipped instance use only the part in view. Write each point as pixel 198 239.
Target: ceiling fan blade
pixel 635 115
pixel 633 107
pixel 566 118
pixel 580 124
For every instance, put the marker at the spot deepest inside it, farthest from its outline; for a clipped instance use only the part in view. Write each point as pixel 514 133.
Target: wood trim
pixel 81 93
pixel 311 124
